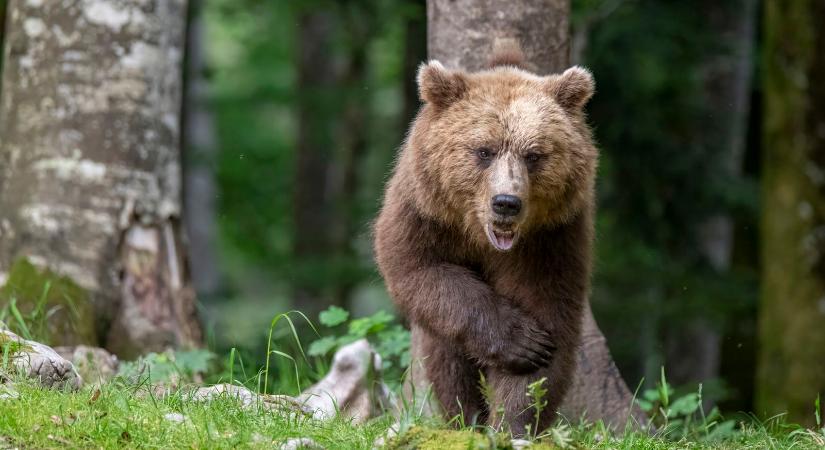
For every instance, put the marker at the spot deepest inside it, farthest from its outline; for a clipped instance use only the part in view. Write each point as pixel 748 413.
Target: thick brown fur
pixel 514 316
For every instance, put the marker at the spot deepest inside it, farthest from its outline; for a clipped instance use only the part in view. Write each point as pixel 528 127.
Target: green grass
pixel 123 416
pixel 128 416
pixel 126 413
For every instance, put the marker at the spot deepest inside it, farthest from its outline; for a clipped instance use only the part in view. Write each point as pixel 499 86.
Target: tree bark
pixel 90 180
pixel 791 367
pixel 415 52
pixel 462 34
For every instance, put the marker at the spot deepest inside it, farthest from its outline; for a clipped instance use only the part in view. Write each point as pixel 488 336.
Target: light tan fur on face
pixel 508 176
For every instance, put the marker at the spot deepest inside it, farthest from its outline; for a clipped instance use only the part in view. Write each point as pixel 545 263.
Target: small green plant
pixel 682 417
pixel 389 338
pixel 561 434
pixel 32 325
pixel 537 393
pixel 169 367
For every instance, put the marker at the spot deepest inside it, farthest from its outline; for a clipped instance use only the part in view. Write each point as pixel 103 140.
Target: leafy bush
pixel 168 367
pixel 683 417
pixel 388 337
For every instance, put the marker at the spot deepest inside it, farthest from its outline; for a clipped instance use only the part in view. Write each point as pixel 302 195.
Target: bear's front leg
pixel 514 407
pixel 451 301
pixel 453 376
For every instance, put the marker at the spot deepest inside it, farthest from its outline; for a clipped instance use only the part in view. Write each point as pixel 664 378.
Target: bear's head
pixel 502 152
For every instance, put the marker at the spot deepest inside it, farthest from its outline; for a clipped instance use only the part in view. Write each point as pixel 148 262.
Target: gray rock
pixel 39 361
pixel 247 398
pixel 95 365
pixel 352 387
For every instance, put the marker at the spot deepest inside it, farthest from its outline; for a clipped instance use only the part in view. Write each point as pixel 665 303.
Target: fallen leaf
pixel 95 396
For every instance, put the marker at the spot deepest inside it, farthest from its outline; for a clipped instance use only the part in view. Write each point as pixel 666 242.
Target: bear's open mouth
pixel 501 239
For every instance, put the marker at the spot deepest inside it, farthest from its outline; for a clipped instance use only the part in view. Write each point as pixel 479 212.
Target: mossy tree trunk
pixel 462 34
pixel 90 183
pixel 791 369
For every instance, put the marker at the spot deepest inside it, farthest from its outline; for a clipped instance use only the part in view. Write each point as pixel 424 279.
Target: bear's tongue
pixel 502 240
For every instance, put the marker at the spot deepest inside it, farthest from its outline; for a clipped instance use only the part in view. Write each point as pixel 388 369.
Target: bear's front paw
pixel 527 349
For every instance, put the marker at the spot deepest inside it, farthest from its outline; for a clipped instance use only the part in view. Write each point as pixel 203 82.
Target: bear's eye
pixel 484 153
pixel 532 157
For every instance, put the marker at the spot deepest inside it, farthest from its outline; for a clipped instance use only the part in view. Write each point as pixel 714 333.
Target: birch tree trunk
pixel 90 183
pixel 791 367
pixel 462 34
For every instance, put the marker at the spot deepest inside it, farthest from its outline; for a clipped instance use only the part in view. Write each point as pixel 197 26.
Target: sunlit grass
pixel 124 415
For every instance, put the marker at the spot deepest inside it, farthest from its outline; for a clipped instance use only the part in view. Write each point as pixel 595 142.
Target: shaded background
pixel 310 102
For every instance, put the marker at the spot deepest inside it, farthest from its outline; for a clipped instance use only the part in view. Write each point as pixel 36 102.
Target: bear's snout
pixel 506 205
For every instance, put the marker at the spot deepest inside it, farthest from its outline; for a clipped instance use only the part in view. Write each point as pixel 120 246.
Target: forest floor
pixel 121 415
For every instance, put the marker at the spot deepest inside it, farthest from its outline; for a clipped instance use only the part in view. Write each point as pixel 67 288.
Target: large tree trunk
pixel 462 34
pixel 90 185
pixel 792 356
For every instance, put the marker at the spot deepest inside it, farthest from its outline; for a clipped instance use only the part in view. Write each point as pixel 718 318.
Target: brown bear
pixel 484 236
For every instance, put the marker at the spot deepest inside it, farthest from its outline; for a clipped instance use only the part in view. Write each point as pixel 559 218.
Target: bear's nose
pixel 506 205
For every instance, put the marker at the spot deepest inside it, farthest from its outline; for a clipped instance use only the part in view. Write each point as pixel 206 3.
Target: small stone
pixel 175 417
pixel 519 444
pixel 300 443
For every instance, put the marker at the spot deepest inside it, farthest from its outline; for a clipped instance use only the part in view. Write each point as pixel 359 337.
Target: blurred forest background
pixel 311 100
pixel 294 112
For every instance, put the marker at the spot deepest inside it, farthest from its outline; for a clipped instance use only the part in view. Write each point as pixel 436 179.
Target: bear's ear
pixel 440 86
pixel 573 88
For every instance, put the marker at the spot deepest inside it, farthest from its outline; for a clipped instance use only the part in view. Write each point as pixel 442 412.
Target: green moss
pixel 421 438
pixel 52 308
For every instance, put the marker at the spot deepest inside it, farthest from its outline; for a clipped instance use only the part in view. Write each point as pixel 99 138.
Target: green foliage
pixel 261 103
pixel 389 339
pixel 537 393
pixel 333 316
pixel 683 417
pixel 170 367
pixel 662 176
